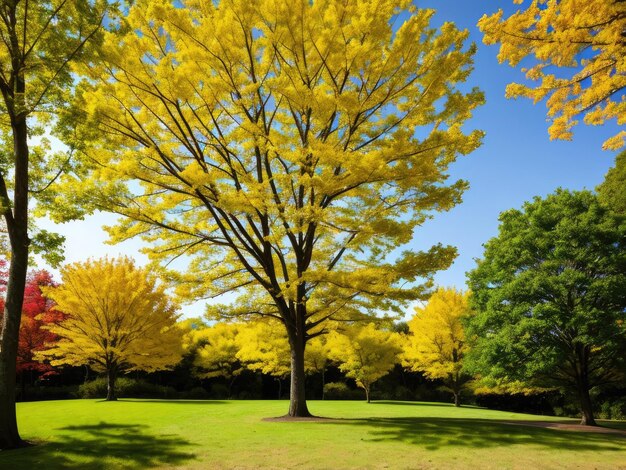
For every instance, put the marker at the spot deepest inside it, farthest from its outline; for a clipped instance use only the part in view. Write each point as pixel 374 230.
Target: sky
pixel 516 162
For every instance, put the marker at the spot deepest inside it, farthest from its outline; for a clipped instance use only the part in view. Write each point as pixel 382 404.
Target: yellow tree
pixel 40 42
pixel 364 353
pixel 284 149
pixel 216 351
pixel 436 344
pixel 585 40
pixel 118 319
pixel 264 347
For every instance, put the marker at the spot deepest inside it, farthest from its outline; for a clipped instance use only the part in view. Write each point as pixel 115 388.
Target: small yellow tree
pixel 586 37
pixel 216 353
pixel 364 353
pixel 264 347
pixel 118 318
pixel 436 345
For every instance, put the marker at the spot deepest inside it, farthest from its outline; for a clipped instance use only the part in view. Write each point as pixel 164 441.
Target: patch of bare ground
pixel 303 419
pixel 567 426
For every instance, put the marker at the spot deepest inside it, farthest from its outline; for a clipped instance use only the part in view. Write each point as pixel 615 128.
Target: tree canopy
pixel 283 149
pixel 585 42
pixel 550 297
pixel 118 319
pixel 436 345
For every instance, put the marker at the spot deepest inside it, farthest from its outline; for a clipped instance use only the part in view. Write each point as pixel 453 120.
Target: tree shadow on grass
pixel 436 433
pixel 101 446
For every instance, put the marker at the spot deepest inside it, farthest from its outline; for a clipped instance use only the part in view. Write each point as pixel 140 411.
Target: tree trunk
pixel 367 393
pixel 457 399
pixel 297 395
pixel 111 376
pixel 586 408
pixel 582 383
pixel 17 226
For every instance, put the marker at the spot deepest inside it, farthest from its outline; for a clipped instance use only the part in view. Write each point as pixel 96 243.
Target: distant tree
pixel 612 191
pixel 585 41
pixel 216 351
pixel 286 147
pixel 364 353
pixel 264 347
pixel 550 297
pixel 37 313
pixel 118 319
pixel 436 344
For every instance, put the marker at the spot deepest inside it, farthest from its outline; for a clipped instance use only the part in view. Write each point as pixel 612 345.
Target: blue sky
pixel 516 162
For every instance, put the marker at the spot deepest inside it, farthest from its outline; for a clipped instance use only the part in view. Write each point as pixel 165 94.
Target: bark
pixel 17 226
pixel 586 408
pixel 582 384
pixel 111 376
pixel 297 395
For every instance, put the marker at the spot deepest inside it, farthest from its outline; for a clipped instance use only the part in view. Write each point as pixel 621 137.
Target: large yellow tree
pixel 436 344
pixel 118 319
pixel 283 148
pixel 585 41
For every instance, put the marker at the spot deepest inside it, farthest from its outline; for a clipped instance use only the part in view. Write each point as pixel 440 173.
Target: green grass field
pixel 89 434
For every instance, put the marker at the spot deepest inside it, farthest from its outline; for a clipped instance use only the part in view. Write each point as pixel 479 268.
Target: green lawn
pixel 89 434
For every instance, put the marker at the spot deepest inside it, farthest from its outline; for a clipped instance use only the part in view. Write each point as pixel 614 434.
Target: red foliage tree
pixel 36 312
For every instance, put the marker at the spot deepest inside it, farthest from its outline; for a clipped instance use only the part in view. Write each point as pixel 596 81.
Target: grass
pixel 89 434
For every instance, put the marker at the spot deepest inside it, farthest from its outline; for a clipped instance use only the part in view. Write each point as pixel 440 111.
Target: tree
pixel 588 38
pixel 437 345
pixel 364 353
pixel 612 191
pixel 39 42
pixel 216 352
pixel 264 347
pixel 550 296
pixel 37 313
pixel 284 149
pixel 118 319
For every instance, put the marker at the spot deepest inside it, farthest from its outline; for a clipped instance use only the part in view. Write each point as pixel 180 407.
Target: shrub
pixel 125 387
pixel 340 391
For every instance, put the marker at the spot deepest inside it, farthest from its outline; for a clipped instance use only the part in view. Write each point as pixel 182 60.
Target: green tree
pixel 585 42
pixel 118 318
pixel 284 148
pixel 40 40
pixel 550 296
pixel 612 191
pixel 364 353
pixel 436 345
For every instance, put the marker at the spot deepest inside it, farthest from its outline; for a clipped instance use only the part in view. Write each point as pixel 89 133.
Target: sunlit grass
pixel 88 434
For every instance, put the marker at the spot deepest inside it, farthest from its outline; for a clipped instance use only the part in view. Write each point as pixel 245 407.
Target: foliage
pixel 437 345
pixel 586 37
pixel 364 353
pixel 263 347
pixel 283 149
pixel 118 318
pixel 550 295
pixel 216 350
pixel 612 191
